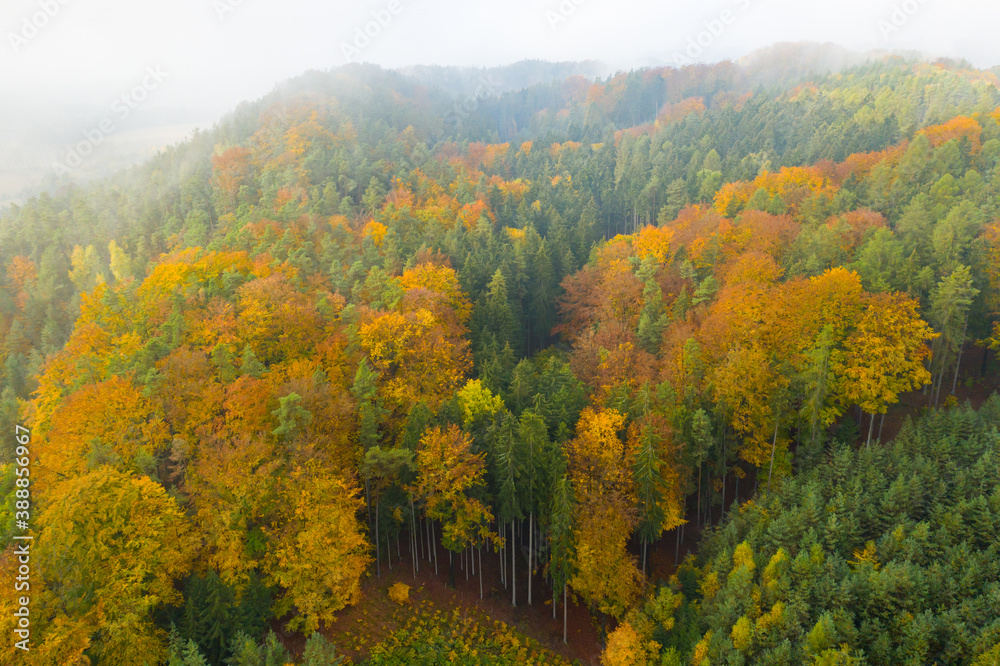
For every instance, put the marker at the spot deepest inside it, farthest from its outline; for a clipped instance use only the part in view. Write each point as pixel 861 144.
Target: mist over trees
pixel 550 328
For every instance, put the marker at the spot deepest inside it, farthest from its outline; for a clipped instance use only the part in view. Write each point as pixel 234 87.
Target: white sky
pixel 92 51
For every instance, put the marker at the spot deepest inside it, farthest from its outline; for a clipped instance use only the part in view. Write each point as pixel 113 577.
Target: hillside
pixel 558 328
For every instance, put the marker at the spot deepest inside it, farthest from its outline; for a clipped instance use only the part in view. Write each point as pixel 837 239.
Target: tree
pixel 656 481
pixel 320 554
pixel 950 305
pixel 561 532
pixel 605 573
pixel 382 468
pixel 883 356
pixel 447 471
pixel 103 579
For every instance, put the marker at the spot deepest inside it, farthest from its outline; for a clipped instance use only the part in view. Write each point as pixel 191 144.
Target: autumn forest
pixel 703 355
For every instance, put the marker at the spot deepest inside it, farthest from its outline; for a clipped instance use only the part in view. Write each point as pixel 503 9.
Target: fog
pixel 67 66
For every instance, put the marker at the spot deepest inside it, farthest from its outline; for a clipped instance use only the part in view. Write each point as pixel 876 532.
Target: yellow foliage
pixel 867 555
pixel 700 656
pixel 375 231
pixel 400 593
pixel 742 634
pixel 127 562
pixel 743 557
pixel 321 553
pixel 476 400
pixel 655 242
pixel 625 648
pixel 772 618
pixel 709 585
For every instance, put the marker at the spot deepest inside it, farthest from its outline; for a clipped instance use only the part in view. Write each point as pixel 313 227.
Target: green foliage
pixel 888 555
pixel 457 638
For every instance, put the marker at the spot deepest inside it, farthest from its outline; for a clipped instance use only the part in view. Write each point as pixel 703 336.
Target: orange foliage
pixel 792 184
pixel 672 113
pixel 853 226
pixel 960 127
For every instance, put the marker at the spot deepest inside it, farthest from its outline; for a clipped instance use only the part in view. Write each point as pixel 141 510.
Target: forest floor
pixel 360 627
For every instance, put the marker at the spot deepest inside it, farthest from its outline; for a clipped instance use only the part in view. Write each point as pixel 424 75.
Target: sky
pixel 156 70
pixel 215 53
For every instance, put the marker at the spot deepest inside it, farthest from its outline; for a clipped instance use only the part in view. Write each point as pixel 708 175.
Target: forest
pixel 369 330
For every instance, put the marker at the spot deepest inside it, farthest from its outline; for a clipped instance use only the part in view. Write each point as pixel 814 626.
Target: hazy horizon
pixel 66 65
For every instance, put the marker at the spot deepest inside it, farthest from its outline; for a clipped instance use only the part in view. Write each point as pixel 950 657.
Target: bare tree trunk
pixel 958 363
pixel 871 427
pixel 774 443
pixel 564 613
pixel 697 521
pixel 414 537
pixel 644 556
pixel 880 424
pixel 736 494
pixel 531 553
pixel 725 469
pixel 503 560
pixel 677 547
pixel 513 567
pixel 434 546
pixel 480 552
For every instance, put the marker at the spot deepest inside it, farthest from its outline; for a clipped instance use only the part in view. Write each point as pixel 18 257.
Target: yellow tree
pixel 745 386
pixel 447 470
pixel 605 574
pixel 419 348
pixel 884 355
pixel 320 553
pixel 110 548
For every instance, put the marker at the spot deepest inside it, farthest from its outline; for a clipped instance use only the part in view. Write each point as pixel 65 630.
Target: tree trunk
pixel 513 567
pixel 677 546
pixel 531 562
pixel 378 550
pixel 774 443
pixel 961 346
pixel 503 560
pixel 414 536
pixel 871 427
pixel 725 470
pixel 480 552
pixel 564 613
pixel 736 494
pixel 697 519
pixel 644 556
pixel 434 546
pixel 880 424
